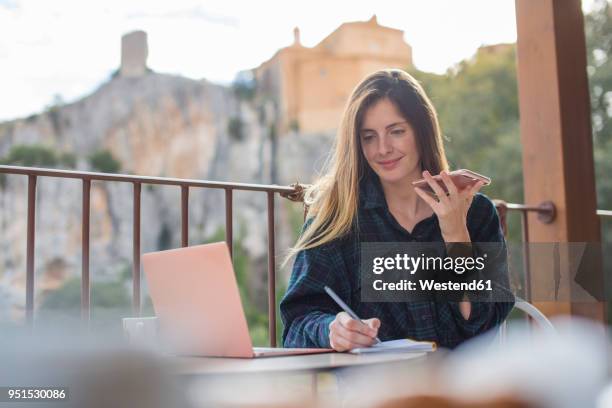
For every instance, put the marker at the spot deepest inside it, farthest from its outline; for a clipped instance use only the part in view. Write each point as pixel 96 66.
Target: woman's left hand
pixel 451 209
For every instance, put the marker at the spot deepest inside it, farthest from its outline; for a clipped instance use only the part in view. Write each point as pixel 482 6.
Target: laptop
pixel 196 299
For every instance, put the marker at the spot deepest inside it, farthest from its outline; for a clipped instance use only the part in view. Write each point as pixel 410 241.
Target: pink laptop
pixel 196 298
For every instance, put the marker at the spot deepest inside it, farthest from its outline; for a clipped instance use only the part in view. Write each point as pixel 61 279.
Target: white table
pixel 300 363
pixel 278 381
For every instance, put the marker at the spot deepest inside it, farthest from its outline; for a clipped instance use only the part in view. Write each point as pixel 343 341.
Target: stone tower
pixel 296 36
pixel 134 52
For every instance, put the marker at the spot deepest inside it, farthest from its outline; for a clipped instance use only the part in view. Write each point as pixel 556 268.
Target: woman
pixel 388 138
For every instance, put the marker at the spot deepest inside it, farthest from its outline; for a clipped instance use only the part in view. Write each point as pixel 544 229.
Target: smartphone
pixel 462 178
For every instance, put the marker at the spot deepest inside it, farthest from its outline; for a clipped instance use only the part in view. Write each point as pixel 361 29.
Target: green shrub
pixel 295 215
pixel 38 156
pixel 110 301
pixel 67 160
pixel 35 156
pixel 103 161
pixel 109 295
pixel 294 125
pixel 164 239
pixel 31 156
pixel 244 86
pixel 235 129
pixel 256 318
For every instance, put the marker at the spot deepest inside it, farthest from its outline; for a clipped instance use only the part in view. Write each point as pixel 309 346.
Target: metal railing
pixel 545 211
pixel 604 213
pixel 33 173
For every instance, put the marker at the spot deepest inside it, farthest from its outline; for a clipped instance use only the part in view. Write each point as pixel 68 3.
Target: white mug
pixel 141 331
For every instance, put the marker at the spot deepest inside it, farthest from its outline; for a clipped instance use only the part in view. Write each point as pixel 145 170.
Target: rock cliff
pixel 154 125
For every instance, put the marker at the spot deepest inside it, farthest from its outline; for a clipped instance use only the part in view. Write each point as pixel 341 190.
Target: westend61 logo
pixel 412 264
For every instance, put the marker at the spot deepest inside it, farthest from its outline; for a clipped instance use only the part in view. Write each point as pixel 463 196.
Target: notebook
pixel 397 346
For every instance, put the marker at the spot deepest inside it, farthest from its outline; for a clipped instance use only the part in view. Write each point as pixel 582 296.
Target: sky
pixel 67 48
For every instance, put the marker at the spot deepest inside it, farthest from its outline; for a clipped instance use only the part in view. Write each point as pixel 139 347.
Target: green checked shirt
pixel 307 310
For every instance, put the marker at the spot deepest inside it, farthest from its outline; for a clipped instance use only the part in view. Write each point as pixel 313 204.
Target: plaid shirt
pixel 307 310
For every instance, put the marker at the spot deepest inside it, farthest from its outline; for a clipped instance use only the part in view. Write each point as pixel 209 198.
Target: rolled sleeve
pixel 483 316
pixel 306 309
pixel 310 330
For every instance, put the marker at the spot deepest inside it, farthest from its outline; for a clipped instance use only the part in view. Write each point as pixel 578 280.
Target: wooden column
pixel 555 124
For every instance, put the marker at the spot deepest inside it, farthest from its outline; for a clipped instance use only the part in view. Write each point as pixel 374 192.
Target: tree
pixel 598 29
pixel 477 105
pixel 244 85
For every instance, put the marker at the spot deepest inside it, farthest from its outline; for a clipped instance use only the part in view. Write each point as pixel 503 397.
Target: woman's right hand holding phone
pixel 346 333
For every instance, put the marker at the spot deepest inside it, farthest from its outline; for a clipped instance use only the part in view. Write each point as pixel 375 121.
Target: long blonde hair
pixel 333 199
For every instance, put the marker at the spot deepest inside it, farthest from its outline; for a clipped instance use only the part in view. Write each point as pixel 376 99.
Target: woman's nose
pixel 384 145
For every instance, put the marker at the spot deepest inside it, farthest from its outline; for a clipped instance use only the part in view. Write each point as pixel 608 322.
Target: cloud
pixel 11 5
pixel 68 47
pixel 197 12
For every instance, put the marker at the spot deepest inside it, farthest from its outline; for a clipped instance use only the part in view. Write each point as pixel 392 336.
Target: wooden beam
pixel 555 124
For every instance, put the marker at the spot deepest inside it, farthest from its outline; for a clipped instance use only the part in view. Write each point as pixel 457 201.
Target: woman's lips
pixel 389 164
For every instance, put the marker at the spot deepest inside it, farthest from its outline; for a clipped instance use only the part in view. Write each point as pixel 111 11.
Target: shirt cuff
pixel 478 317
pixel 324 322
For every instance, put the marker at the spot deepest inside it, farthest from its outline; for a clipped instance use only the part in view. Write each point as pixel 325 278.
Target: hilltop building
pixel 309 87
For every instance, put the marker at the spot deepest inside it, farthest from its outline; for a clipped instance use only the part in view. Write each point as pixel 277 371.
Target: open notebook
pixel 397 346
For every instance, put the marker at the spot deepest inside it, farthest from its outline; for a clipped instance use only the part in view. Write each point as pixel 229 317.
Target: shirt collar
pixel 371 194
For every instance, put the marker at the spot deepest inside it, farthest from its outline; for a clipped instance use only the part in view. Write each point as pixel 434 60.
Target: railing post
pixel 184 216
pixel 271 272
pixel 136 304
pixel 229 227
pixel 85 286
pixel 502 212
pixel 526 257
pixel 31 235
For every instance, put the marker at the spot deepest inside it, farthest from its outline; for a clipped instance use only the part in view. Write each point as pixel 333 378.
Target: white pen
pixel 345 307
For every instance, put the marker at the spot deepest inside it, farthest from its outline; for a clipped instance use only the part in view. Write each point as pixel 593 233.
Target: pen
pixel 345 307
